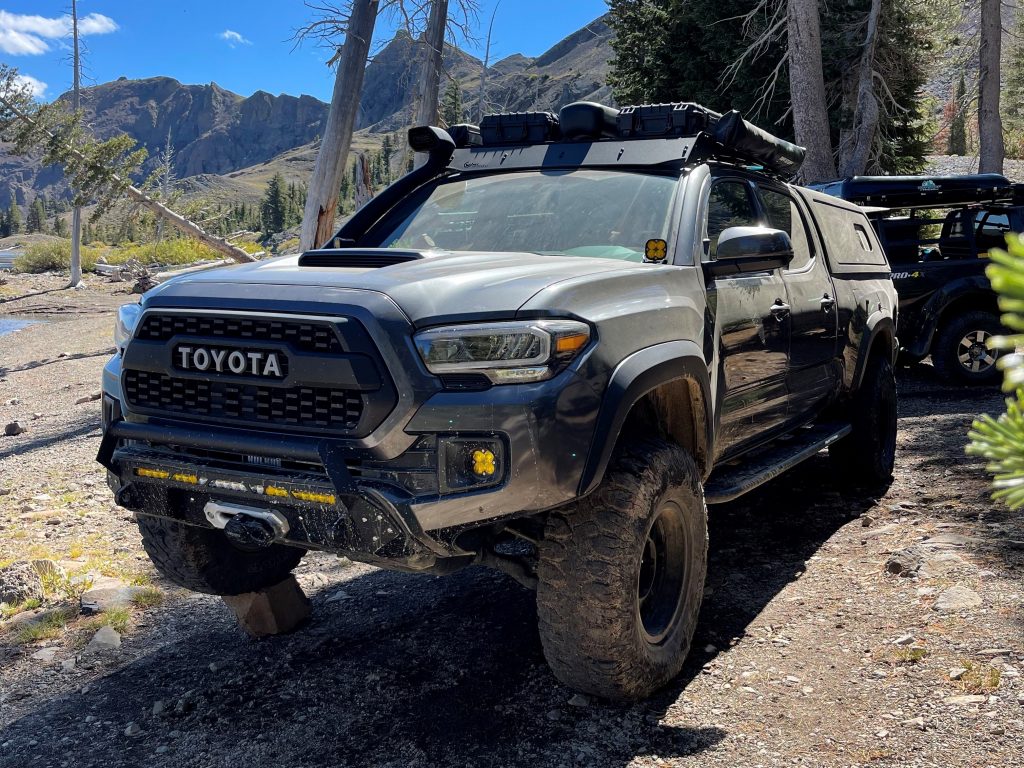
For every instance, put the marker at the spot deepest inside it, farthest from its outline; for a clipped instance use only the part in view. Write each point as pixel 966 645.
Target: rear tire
pixel 866 457
pixel 959 353
pixel 621 575
pixel 203 560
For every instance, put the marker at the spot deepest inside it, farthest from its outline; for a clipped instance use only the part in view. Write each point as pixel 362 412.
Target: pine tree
pixel 60 227
pixel 13 219
pixel 36 219
pixel 451 105
pixel 5 227
pixel 958 123
pixel 274 208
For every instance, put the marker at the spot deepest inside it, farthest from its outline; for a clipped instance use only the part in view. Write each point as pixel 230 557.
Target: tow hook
pixel 247 527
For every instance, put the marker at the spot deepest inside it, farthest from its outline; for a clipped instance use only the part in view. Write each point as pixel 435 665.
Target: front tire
pixel 960 354
pixel 203 560
pixel 621 575
pixel 866 457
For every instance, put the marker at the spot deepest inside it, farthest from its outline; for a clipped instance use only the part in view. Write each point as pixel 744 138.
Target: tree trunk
pixel 807 87
pixel 990 124
pixel 856 153
pixel 430 74
pixel 76 104
pixel 332 159
pixel 481 103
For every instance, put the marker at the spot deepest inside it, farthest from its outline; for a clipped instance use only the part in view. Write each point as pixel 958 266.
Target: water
pixel 12 324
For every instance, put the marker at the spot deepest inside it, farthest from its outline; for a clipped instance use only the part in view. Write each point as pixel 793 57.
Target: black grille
pixel 305 336
pixel 309 407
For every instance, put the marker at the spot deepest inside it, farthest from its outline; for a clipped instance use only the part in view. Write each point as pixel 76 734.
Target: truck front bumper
pixel 398 511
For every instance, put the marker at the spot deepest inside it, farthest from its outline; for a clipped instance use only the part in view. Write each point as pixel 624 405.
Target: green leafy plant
pixel 1001 440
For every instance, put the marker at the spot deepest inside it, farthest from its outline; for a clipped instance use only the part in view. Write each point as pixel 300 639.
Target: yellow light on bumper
pixel 314 498
pixel 156 474
pixel 483 463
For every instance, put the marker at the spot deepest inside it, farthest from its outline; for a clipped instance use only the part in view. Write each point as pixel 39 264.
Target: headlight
pixel 506 353
pixel 127 318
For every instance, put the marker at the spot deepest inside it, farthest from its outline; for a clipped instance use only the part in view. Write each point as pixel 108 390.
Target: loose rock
pixel 15 428
pixel 957 598
pixel 106 594
pixel 106 639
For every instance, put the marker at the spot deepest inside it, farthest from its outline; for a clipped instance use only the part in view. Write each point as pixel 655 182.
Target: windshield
pixel 604 214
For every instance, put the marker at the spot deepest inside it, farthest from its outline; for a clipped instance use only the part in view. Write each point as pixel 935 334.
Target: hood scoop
pixel 357 258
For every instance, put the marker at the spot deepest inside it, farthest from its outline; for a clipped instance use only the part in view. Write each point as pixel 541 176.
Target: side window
pixel 991 233
pixel 730 205
pixel 783 214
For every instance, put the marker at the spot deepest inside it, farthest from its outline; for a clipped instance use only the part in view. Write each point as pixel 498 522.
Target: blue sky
pixel 241 45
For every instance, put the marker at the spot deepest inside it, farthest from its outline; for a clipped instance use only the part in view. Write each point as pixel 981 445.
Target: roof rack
pixel 712 135
pixel 896 192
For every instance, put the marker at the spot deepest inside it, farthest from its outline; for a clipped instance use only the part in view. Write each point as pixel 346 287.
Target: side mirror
pixel 750 249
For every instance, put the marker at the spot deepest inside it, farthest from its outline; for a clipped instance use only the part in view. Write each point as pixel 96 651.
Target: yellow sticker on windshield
pixel 656 250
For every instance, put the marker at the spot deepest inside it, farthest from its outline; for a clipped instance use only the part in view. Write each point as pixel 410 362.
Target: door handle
pixel 827 303
pixel 780 310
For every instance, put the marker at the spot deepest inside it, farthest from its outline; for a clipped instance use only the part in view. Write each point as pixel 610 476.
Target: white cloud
pixel 22 34
pixel 233 38
pixel 35 86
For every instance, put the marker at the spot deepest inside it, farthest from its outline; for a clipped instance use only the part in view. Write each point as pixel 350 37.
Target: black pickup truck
pixel 544 351
pixel 937 232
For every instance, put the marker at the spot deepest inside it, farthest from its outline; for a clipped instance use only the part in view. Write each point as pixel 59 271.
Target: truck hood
pixel 439 286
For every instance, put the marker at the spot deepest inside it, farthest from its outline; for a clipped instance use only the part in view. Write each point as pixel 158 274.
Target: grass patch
pixel 147 597
pixel 116 618
pixel 897 655
pixel 63 587
pixel 979 678
pixel 7 611
pixel 49 626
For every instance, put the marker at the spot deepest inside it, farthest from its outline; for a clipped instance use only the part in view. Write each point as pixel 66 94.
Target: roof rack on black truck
pixel 937 232
pixel 545 351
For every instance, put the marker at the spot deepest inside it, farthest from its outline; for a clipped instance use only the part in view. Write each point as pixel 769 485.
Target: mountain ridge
pixel 215 132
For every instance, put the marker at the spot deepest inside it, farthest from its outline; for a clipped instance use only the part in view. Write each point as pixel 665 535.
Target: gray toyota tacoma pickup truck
pixel 546 351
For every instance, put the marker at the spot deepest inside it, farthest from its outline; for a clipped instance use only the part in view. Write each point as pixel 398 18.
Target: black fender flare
pixel 930 315
pixel 877 324
pixel 637 375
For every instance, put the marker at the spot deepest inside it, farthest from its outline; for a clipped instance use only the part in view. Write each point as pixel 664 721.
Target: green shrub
pixel 178 251
pixel 53 256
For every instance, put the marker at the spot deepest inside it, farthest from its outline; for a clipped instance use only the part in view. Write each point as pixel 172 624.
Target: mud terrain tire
pixel 203 560
pixel 621 575
pixel 865 458
pixel 959 347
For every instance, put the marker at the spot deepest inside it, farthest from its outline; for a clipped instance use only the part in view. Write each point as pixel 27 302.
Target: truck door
pixel 749 317
pixel 813 316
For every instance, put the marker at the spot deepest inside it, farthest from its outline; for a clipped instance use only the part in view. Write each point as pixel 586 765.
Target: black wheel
pixel 621 575
pixel 865 458
pixel 203 560
pixel 960 352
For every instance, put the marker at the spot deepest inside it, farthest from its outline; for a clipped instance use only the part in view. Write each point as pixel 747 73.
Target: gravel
pixel 800 615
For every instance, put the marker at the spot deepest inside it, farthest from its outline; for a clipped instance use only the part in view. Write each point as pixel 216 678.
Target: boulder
pixel 19 582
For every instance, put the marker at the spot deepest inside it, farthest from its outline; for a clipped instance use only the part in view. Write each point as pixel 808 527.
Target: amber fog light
pixel 468 463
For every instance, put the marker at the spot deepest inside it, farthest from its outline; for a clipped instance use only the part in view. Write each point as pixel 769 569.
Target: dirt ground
pixel 809 652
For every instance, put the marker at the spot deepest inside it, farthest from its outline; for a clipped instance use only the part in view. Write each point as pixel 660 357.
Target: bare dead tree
pixel 482 96
pixel 990 124
pixel 430 69
pixel 856 145
pixel 807 89
pixel 357 22
pixel 76 105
